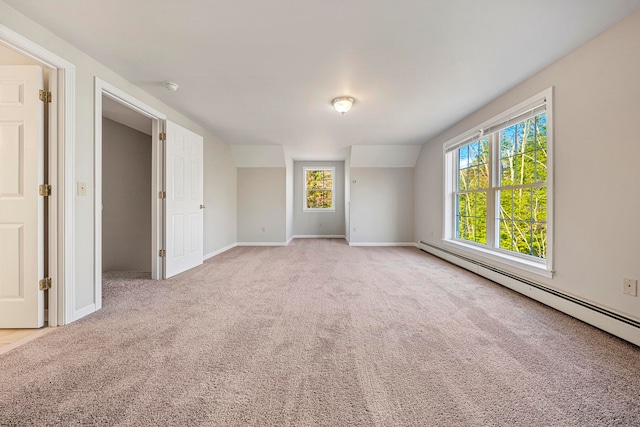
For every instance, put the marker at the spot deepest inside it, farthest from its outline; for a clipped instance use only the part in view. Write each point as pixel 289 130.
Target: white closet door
pixel 184 202
pixel 21 206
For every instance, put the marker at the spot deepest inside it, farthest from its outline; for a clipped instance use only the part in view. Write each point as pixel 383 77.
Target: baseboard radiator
pixel 630 331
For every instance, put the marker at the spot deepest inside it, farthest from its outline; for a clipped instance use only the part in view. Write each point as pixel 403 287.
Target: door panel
pixel 21 207
pixel 184 218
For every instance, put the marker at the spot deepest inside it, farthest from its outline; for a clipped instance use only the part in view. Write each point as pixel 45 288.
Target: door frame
pixel 61 142
pixel 101 88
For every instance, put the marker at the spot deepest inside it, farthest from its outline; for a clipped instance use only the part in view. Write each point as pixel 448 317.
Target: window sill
pixel 319 210
pixel 492 257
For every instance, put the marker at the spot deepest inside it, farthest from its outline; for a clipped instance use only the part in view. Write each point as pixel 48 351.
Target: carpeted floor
pixel 320 333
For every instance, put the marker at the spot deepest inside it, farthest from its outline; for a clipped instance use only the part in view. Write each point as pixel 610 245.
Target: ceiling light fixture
pixel 342 104
pixel 170 86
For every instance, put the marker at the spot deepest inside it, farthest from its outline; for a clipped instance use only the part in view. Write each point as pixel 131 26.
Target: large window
pixel 318 188
pixel 498 185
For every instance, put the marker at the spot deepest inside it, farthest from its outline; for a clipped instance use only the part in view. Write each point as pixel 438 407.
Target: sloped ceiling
pixel 119 113
pixel 258 72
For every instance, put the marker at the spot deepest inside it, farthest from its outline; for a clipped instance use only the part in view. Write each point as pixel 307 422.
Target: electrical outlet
pixel 264 228
pixel 630 286
pixel 82 188
pixel 354 229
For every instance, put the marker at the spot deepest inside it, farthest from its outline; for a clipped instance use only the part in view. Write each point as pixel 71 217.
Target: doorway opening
pixel 127 141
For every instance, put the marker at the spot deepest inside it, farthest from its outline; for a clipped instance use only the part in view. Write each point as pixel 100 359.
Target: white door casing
pixel 102 88
pixel 184 202
pixel 61 115
pixel 21 206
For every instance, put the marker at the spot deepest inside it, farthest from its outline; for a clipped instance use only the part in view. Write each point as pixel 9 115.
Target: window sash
pixel 307 189
pixel 532 112
pixel 492 219
pixel 497 124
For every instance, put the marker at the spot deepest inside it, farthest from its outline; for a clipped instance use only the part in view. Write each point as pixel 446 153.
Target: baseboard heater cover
pixel 551 291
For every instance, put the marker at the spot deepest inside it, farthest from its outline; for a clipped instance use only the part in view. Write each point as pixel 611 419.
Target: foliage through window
pixel 499 184
pixel 319 188
pixel 522 189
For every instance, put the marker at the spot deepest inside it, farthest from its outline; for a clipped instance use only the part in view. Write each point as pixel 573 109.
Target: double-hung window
pixel 318 189
pixel 498 187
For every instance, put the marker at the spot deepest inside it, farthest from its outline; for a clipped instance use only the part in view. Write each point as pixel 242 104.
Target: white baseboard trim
pixel 290 239
pixel 262 243
pixel 318 236
pixel 614 323
pixel 85 311
pixel 415 245
pixel 219 251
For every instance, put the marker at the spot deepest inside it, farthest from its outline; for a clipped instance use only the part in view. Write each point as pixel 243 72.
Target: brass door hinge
pixel 162 195
pixel 45 283
pixel 162 253
pixel 162 136
pixel 45 190
pixel 45 96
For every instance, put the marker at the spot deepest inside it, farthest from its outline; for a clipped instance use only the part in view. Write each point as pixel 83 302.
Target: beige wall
pixel 289 196
pixel 126 198
pixel 220 216
pixel 262 203
pixel 318 223
pixel 381 205
pixel 597 178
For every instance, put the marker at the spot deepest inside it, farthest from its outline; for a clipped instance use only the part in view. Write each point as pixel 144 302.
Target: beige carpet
pixel 320 333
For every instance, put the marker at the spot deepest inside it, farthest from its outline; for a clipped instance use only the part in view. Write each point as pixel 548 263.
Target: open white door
pixel 184 202
pixel 21 206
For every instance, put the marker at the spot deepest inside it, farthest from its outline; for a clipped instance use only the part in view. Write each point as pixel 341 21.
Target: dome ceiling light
pixel 342 104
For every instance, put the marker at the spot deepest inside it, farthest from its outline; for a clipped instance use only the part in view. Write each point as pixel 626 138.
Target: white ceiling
pixel 259 72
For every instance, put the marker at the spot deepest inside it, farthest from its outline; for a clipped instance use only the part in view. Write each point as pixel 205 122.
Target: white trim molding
pixel 415 245
pixel 84 311
pixel 497 259
pixel 318 236
pixel 305 189
pixel 219 251
pixel 261 244
pixel 61 160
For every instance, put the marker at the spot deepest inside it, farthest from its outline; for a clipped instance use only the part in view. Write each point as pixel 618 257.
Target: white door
pixel 21 207
pixel 184 202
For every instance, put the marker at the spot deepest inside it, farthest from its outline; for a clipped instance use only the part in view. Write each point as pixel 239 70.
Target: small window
pixel 318 188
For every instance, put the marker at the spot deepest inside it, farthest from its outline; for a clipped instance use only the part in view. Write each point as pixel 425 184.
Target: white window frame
pixel 304 188
pixel 490 253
